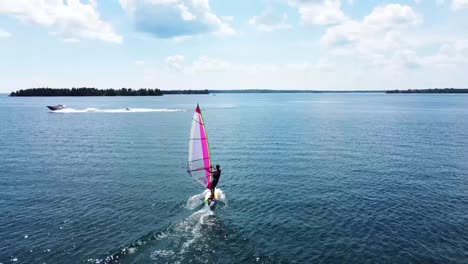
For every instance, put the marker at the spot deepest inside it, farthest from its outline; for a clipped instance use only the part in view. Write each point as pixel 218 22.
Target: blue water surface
pixel 307 178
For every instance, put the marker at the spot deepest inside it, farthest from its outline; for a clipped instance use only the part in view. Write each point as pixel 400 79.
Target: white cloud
pixel 320 12
pixel 269 21
pixel 299 66
pixel 456 5
pixel 208 64
pixel 175 18
pixel 180 39
pixel 461 45
pixel 175 62
pixel 392 16
pixel 388 40
pixel 202 64
pixel 449 55
pixel 206 72
pixel 390 70
pixel 4 34
pixel 70 19
pixel 459 4
pixel 378 37
pixel 346 33
pixel 71 40
pixel 139 62
pixel 227 18
pixel 405 59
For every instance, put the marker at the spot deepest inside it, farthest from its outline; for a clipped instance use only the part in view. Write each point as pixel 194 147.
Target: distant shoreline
pixel 85 91
pixel 294 91
pixel 435 90
pixel 431 91
pixel 80 92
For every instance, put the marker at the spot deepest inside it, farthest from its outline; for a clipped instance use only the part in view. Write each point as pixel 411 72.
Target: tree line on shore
pixel 85 91
pixel 435 90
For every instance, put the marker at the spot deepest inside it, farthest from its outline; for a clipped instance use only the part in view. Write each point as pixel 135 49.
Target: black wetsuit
pixel 216 176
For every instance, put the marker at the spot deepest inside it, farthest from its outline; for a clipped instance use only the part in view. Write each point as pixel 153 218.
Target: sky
pixel 241 44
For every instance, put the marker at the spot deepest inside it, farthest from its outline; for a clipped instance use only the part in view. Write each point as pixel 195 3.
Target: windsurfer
pixel 216 175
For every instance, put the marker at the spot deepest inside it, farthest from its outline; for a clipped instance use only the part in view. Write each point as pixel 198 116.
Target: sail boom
pixel 199 159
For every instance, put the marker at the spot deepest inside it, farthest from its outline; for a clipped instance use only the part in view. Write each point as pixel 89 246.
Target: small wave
pixel 162 254
pixel 190 231
pixel 172 245
pixel 118 110
pixel 180 241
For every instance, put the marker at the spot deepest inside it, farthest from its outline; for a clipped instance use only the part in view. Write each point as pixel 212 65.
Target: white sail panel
pixel 199 152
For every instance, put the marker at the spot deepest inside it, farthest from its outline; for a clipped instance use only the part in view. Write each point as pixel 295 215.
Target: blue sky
pixel 242 44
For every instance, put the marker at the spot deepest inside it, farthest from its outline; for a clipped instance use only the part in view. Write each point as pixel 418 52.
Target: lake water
pixel 307 178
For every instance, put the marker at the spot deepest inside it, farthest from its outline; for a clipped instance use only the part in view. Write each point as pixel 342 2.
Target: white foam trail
pixel 196 200
pixel 119 110
pixel 221 195
pixel 190 234
pixel 185 235
pixel 162 253
pixel 193 227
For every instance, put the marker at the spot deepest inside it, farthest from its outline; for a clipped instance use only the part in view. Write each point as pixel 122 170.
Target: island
pixel 434 90
pixel 185 91
pixel 85 91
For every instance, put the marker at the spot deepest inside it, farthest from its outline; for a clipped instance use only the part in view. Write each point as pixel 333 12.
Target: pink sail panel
pixel 199 151
pixel 205 150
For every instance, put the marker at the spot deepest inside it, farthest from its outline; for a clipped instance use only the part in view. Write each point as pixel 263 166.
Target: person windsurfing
pixel 216 175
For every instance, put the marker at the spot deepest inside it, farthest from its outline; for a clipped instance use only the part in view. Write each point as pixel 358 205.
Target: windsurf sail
pixel 199 162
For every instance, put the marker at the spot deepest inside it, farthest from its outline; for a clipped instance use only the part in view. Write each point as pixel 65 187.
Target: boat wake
pixel 118 110
pixel 189 239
